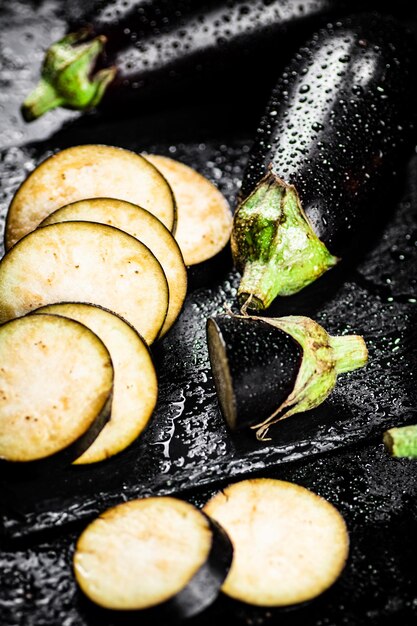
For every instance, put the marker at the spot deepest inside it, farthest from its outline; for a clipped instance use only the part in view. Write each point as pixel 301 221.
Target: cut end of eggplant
pixel 85 262
pixel 145 227
pixel 135 389
pixel 88 171
pixel 267 369
pixel 221 373
pixel 290 545
pixel 254 367
pixel 160 555
pixel 204 216
pixel 56 380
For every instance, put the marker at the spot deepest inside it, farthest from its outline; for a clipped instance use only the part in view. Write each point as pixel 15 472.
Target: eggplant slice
pixel 290 544
pixel 135 389
pixel 204 216
pixel 56 379
pixel 88 171
pixel 85 262
pixel 158 554
pixel 141 224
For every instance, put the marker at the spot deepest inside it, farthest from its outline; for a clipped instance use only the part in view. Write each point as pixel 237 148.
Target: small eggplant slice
pixel 88 171
pixel 267 369
pixel 337 131
pixel 56 380
pixel 85 262
pixel 290 545
pixel 141 224
pixel 160 555
pixel 135 388
pixel 204 216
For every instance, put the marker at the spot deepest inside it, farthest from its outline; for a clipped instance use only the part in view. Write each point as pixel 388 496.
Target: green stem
pixel 42 99
pixel 274 245
pixel 350 353
pixel 401 441
pixel 66 77
pixel 324 357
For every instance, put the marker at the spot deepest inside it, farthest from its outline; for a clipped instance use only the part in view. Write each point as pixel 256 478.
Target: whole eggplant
pixel 154 49
pixel 339 125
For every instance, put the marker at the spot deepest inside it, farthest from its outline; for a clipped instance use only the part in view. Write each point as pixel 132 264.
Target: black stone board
pixel 187 443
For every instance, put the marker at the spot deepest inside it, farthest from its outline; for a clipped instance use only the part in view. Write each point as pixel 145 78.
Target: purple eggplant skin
pixel 340 125
pixel 175 47
pixel 260 361
pixel 152 49
pixel 198 594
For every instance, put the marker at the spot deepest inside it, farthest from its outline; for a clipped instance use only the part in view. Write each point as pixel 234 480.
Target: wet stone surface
pixel 187 443
pixel 335 450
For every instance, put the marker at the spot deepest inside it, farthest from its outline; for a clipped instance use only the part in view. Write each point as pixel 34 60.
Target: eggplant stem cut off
pixel 268 369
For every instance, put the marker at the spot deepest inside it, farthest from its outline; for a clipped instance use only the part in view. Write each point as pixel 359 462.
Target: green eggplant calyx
pixel 401 441
pixel 274 245
pixel 324 357
pixel 66 77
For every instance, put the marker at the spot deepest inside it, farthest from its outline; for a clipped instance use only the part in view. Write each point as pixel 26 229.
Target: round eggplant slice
pixel 88 171
pixel 254 366
pixel 160 555
pixel 141 224
pixel 135 388
pixel 290 545
pixel 204 216
pixel 56 379
pixel 85 262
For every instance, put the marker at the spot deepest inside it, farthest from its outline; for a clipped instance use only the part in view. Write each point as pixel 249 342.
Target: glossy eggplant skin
pixel 262 361
pixel 340 125
pixel 191 40
pixel 151 49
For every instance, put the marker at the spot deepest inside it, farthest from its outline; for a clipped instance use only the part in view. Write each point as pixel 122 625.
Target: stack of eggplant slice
pixel 82 246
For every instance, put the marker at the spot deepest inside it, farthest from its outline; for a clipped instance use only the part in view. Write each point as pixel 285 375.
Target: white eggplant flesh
pixel 290 545
pixel 85 262
pixel 88 171
pixel 204 216
pixel 56 382
pixel 145 227
pixel 135 389
pixel 159 555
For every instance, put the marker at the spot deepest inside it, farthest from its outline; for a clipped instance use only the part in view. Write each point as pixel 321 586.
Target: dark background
pixel 376 494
